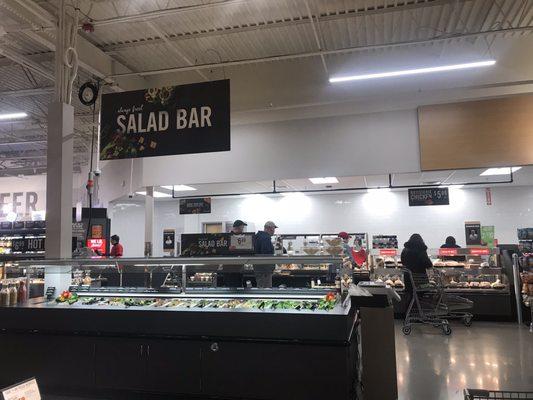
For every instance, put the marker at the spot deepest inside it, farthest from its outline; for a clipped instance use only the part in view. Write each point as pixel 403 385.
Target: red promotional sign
pixel 447 252
pixel 98 245
pixel 388 252
pixel 480 252
pixel 488 196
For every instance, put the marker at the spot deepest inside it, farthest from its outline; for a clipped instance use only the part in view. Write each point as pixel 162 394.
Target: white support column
pixel 59 180
pixel 149 221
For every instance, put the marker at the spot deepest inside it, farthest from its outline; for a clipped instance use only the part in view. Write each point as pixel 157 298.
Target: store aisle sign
pixel 166 121
pixel 200 205
pixel 429 197
pixel 28 245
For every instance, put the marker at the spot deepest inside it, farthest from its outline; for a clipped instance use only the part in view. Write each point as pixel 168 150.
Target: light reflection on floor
pixel 494 356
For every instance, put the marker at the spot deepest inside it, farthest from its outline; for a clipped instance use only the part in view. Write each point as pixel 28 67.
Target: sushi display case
pixel 180 339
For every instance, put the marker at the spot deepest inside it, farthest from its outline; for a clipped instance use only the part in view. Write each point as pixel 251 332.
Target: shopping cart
pixel 431 305
pixel 480 394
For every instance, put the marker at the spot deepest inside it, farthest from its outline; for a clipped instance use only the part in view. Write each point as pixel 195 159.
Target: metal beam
pixel 25 62
pixel 317 37
pixel 345 50
pixel 22 142
pixel 27 92
pixel 271 24
pixel 91 58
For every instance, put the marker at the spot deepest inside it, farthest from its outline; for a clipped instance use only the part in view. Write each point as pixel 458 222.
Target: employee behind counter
pixel 264 246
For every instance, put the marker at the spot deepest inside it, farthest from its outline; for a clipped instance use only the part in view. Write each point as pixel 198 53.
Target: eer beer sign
pixel 165 121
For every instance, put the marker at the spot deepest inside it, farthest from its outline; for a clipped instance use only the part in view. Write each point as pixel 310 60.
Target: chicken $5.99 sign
pixel 166 121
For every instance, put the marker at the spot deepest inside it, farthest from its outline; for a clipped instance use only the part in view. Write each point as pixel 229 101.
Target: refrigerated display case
pixel 474 273
pixel 178 338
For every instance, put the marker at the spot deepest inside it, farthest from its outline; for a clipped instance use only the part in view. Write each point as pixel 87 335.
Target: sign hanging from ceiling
pixel 200 205
pixel 166 121
pixel 429 197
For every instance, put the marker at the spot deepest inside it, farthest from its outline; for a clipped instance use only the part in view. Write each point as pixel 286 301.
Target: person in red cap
pixel 347 249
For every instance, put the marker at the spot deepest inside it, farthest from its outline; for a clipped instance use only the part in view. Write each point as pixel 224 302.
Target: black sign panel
pixel 473 233
pixel 28 244
pixel 216 244
pixel 166 121
pixel 429 197
pixel 169 239
pixel 18 225
pixel 200 205
pixel 6 225
pixel 29 224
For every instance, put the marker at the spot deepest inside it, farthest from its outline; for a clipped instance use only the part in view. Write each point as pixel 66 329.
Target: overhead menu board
pixel 428 197
pixel 200 205
pixel 166 121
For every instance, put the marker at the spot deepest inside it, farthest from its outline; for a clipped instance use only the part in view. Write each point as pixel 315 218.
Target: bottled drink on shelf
pixel 22 292
pixel 4 295
pixel 12 294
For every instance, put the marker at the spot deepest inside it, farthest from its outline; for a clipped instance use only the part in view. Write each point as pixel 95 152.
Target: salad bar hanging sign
pixel 166 121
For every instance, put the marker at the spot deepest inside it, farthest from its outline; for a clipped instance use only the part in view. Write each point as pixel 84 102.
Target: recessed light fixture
pixel 19 115
pixel 499 171
pixel 416 71
pixel 179 188
pixel 156 194
pixel 324 181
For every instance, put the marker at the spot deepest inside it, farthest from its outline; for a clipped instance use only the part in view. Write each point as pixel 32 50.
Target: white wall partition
pixel 364 144
pixel 377 212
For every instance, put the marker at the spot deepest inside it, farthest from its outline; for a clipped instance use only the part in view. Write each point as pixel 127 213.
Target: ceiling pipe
pixel 318 53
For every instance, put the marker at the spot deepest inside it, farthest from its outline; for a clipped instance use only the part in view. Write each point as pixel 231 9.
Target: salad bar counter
pixel 207 342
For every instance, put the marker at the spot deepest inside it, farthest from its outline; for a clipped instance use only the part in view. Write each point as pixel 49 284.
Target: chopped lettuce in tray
pixel 326 304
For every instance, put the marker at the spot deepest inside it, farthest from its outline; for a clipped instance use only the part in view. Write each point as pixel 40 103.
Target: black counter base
pixel 116 367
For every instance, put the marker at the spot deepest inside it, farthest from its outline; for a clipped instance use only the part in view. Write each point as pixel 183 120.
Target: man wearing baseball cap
pixel 232 274
pixel 264 247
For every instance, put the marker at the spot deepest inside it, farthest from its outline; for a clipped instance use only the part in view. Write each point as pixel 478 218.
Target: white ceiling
pixel 277 53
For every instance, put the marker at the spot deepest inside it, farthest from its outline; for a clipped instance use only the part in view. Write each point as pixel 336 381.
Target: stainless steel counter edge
pixel 170 261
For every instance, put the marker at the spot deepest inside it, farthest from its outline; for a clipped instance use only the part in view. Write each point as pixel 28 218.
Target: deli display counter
pixel 474 273
pixel 180 339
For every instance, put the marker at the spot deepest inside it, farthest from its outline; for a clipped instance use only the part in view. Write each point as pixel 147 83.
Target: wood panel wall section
pixel 477 134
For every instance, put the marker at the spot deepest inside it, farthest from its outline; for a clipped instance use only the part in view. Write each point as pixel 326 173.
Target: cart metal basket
pixel 480 394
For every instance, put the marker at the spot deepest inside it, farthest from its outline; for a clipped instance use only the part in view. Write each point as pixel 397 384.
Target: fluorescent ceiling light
pixel 499 171
pixel 18 115
pixel 156 194
pixel 179 188
pixel 323 181
pixel 427 70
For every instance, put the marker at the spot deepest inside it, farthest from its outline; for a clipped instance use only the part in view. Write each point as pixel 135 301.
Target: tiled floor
pixel 495 356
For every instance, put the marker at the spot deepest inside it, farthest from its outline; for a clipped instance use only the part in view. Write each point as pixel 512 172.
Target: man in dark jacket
pixel 264 247
pixel 415 259
pixel 232 274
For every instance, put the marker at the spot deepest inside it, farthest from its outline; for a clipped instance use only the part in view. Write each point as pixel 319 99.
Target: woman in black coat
pixel 415 259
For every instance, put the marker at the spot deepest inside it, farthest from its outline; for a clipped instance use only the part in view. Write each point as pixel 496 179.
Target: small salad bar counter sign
pixel 166 121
